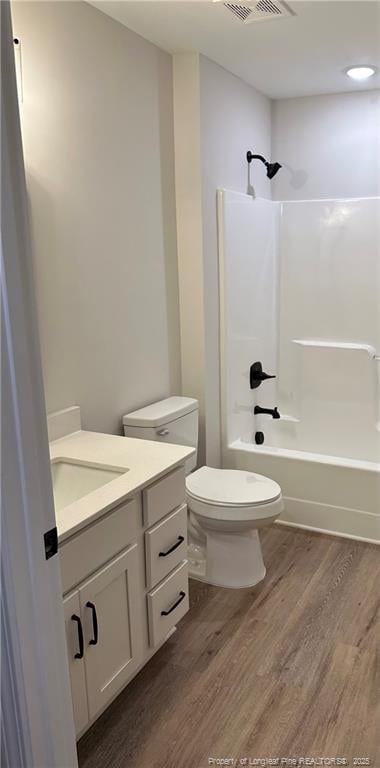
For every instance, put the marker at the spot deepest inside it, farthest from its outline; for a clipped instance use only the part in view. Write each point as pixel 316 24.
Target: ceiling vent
pixel 249 12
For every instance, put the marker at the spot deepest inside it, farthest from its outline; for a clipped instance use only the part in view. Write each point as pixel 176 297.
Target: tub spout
pixel 274 412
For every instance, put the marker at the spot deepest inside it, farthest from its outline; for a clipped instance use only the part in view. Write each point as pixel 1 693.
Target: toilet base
pixel 232 560
pixel 197 576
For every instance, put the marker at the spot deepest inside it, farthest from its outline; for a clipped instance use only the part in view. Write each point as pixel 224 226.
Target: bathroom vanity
pixel 122 549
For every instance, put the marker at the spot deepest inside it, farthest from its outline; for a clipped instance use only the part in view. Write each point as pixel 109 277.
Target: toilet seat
pixel 231 494
pixel 231 487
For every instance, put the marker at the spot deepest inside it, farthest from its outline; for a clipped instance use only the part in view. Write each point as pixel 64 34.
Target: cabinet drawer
pixel 90 549
pixel 167 603
pixel 163 496
pixel 166 545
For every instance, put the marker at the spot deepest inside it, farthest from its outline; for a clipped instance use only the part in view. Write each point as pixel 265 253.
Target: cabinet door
pixel 75 650
pixel 109 606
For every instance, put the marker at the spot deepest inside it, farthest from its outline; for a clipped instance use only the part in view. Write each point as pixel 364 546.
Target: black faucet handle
pixel 257 375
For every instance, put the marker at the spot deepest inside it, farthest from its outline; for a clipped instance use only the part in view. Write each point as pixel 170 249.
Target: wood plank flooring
pixel 287 669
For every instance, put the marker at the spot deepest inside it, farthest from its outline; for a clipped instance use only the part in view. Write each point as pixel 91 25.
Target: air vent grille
pixel 241 11
pixel 249 12
pixel 266 6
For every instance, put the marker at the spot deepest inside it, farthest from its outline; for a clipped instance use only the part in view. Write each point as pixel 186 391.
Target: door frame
pixel 37 724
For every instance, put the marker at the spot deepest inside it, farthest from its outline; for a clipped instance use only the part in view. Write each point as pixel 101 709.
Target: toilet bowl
pixel 226 507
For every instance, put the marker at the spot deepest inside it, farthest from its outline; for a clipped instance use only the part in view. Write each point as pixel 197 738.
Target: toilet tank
pixel 173 420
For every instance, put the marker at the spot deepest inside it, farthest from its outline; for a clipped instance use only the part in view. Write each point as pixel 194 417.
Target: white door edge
pixel 38 729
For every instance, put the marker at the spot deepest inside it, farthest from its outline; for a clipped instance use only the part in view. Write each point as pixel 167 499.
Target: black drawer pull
pixel 94 640
pixel 169 551
pixel 181 596
pixel 79 655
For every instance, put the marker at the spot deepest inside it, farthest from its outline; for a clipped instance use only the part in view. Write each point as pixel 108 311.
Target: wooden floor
pixel 289 668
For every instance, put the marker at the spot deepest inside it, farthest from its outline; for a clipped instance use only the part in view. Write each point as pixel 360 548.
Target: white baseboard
pixel 336 521
pixel 63 422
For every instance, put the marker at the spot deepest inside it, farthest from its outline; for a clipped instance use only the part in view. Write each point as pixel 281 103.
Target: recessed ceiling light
pixel 360 72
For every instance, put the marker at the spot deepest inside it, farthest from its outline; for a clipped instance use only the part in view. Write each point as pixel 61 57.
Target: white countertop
pixel 145 460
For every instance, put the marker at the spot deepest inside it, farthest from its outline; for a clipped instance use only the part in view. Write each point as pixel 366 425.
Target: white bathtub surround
pixel 299 291
pixel 339 414
pixel 329 328
pixel 249 277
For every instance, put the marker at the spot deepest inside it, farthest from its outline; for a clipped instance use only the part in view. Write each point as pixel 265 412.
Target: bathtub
pixel 329 494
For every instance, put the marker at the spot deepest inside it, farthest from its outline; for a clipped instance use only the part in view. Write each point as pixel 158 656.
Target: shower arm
pixel 251 157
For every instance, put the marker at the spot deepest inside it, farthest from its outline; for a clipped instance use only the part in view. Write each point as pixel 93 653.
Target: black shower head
pixel 272 168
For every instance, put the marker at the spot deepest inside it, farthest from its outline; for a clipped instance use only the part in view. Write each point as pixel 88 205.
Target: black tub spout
pixel 274 412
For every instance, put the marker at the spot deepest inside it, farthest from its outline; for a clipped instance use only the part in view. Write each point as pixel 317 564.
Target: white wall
pixel 234 118
pixel 98 135
pixel 329 146
pixel 188 183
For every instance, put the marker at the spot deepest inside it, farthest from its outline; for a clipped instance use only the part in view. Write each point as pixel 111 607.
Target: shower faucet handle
pixel 257 375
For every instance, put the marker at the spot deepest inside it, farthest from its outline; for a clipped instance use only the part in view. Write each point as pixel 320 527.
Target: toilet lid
pixel 231 487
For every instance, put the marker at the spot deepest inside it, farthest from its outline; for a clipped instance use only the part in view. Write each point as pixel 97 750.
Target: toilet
pixel 226 507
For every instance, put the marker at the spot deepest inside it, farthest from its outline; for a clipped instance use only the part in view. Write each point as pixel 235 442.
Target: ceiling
pixel 290 56
pixel 299 55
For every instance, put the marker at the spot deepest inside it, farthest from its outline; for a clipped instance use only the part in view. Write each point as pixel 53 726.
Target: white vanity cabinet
pixel 126 584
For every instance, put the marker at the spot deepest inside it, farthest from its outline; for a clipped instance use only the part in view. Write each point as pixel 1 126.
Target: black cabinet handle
pixel 94 640
pixel 177 544
pixel 177 602
pixel 79 655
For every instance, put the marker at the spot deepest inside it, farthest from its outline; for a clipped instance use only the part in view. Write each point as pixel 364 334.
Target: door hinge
pixel 51 542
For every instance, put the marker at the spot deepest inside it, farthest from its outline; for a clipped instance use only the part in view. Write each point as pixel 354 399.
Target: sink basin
pixel 72 481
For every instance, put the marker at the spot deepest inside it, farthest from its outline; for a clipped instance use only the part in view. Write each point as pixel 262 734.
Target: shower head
pixel 272 168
